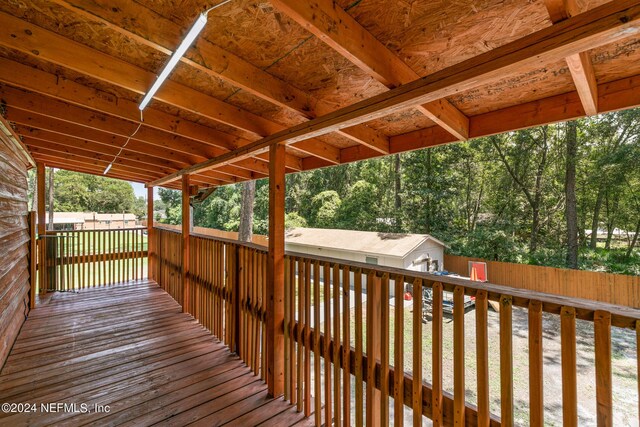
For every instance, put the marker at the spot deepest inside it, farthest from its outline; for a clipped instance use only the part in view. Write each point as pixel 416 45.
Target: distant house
pixel 418 252
pixel 91 221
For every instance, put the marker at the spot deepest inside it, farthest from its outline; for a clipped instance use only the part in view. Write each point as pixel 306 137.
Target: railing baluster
pixel 292 343
pixel 373 348
pixel 536 379
pixel 316 345
pixel 337 401
pixel 458 357
pixel 602 340
pixel 638 361
pixel 256 319
pixel 288 361
pixel 327 339
pixel 506 361
pixel 416 401
pixel 346 344
pixel 300 336
pixel 436 392
pixel 398 352
pixel 568 351
pixel 482 358
pixel 307 338
pixel 384 350
pixel 112 256
pixel 359 409
pixel 101 258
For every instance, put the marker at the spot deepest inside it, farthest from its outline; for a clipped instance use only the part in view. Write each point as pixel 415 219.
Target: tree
pixel 520 162
pixel 245 231
pixel 359 210
pixel 571 212
pixel 612 135
pixel 325 205
pixel 139 207
pixel 294 220
pixel 50 189
pixel 172 200
pixel 77 192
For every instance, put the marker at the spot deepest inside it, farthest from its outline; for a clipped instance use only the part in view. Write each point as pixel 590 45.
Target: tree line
pixel 566 194
pixel 78 192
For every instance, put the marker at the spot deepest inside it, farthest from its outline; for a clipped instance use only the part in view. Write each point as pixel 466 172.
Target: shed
pixel 409 251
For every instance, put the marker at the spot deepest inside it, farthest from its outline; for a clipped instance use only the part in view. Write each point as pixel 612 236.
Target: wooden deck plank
pixel 66 370
pixel 130 347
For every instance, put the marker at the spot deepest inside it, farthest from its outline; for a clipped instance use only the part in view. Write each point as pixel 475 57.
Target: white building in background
pixel 408 251
pixel 91 221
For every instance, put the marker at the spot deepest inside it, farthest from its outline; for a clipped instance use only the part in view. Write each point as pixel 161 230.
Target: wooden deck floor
pixel 131 349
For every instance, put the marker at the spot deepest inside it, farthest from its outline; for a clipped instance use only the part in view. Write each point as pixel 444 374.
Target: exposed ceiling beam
pixel 29 38
pixel 616 95
pixel 212 60
pixel 104 153
pixel 63 151
pixel 597 27
pixel 34 80
pixel 335 27
pixel 580 64
pixel 559 10
pixel 74 142
pixel 71 132
pixel 93 170
pixel 584 78
pixel 71 160
pixel 46 106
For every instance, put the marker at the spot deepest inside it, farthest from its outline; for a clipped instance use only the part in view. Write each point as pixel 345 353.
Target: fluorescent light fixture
pixel 188 40
pixel 106 171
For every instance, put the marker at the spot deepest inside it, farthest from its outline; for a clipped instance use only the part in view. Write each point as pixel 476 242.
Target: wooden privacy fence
pixel 354 355
pixel 605 287
pixel 80 259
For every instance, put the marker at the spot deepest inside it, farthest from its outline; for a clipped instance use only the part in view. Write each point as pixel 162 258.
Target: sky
pixel 141 191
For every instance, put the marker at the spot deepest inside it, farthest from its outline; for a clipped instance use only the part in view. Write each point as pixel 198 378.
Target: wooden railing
pixel 227 289
pixel 87 258
pixel 352 346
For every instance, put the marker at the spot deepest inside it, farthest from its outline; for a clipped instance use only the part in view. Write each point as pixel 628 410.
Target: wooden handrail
pixel 622 317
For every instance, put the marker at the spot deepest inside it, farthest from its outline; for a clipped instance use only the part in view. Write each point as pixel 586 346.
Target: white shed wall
pixel 433 250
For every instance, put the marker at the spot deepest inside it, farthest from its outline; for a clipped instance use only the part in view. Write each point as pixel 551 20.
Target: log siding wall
pixel 14 247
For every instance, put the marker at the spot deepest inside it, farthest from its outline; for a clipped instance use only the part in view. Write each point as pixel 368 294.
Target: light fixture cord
pixel 129 138
pixel 216 6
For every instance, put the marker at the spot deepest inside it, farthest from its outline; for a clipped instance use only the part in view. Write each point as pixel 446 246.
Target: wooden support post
pixel 275 283
pixel 186 231
pixel 40 177
pixel 151 250
pixel 33 257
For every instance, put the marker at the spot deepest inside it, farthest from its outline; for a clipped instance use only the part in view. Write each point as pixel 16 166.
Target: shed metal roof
pixel 371 242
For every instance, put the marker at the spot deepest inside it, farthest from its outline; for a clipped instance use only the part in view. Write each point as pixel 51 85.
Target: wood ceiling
pixel 337 81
